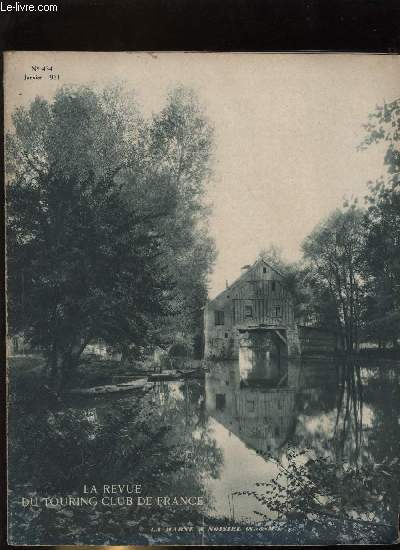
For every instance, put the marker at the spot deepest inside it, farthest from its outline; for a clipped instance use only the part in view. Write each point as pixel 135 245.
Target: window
pixel 264 270
pixel 219 317
pixel 250 406
pixel 273 286
pixel 248 311
pixel 277 311
pixel 277 431
pixel 226 335
pixel 220 401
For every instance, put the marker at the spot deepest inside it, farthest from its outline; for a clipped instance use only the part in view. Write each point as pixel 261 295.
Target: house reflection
pixel 262 359
pixel 255 399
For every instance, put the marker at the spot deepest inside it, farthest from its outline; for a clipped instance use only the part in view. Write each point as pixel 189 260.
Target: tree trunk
pixel 68 370
pixel 55 367
pixel 70 362
pixel 127 355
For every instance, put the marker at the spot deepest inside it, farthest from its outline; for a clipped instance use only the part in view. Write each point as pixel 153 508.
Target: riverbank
pixel 99 372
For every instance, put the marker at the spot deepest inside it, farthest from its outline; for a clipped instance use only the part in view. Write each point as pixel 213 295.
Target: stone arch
pixel 262 355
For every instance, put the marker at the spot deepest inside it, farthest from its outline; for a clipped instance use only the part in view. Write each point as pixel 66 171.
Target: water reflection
pixel 263 359
pixel 261 413
pixel 333 429
pixel 252 414
pixel 323 436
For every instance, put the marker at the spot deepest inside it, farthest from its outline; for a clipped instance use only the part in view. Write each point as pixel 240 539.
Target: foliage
pixel 178 350
pixel 383 229
pixel 159 439
pixel 334 256
pixel 181 145
pixel 273 255
pixel 321 496
pixel 106 233
pixel 351 268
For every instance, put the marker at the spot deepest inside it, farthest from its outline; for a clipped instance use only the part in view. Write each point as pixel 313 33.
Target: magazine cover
pixel 203 298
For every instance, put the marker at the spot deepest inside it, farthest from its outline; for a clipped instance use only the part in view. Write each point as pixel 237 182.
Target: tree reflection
pixel 338 473
pixel 339 478
pixel 159 440
pixel 349 412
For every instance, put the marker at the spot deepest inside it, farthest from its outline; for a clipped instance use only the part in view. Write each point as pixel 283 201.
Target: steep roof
pixel 245 273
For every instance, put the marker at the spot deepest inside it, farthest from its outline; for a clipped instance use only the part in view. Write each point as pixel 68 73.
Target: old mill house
pixel 253 320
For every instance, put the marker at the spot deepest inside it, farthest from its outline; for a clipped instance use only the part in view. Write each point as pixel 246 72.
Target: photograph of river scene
pixel 203 298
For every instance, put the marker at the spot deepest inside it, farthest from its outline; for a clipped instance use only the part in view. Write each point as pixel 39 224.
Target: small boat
pixel 142 383
pixel 192 373
pixel 165 375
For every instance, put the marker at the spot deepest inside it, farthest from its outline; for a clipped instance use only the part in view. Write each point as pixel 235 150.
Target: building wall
pixel 258 297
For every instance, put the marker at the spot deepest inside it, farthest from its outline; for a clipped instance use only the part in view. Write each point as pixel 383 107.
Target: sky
pixel 287 127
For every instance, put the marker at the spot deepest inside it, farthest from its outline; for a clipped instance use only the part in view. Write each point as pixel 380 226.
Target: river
pixel 314 456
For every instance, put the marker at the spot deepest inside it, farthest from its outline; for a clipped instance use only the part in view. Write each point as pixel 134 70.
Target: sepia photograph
pixel 203 298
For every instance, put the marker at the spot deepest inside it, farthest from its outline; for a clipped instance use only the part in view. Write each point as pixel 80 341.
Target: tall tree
pixel 334 256
pixel 273 255
pixel 383 228
pixel 88 255
pixel 180 144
